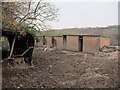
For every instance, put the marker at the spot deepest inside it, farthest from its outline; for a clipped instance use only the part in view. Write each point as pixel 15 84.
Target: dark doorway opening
pixel 44 41
pixel 53 41
pixel 80 41
pixel 64 41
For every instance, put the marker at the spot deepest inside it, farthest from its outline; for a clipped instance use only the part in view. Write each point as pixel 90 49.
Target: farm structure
pixel 17 44
pixel 83 43
pixel 52 41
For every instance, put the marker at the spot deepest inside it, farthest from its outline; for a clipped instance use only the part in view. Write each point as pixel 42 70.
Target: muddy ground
pixel 65 69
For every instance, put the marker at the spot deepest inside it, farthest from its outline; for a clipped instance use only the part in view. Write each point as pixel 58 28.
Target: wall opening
pixel 44 41
pixel 64 41
pixel 53 40
pixel 80 43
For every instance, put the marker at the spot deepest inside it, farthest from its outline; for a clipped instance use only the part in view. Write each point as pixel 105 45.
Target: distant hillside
pixel 110 31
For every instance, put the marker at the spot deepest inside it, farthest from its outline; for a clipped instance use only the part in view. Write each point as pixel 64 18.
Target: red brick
pixel 59 42
pixel 48 41
pixel 72 43
pixel 90 44
pixel 104 42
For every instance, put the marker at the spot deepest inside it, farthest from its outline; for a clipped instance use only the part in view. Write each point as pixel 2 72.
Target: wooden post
pixel 12 47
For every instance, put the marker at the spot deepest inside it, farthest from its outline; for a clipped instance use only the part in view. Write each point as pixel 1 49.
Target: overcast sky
pixel 86 14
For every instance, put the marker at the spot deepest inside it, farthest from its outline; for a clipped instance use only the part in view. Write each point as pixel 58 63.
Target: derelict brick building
pixel 83 43
pixel 58 40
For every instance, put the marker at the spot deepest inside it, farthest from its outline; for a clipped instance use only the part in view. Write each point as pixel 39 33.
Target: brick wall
pixel 59 42
pixel 90 44
pixel 72 43
pixel 48 41
pixel 104 41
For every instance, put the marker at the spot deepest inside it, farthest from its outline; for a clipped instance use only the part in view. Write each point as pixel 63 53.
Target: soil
pixel 64 69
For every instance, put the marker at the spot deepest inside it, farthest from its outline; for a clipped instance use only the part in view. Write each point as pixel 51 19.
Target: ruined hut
pixel 57 41
pixel 84 43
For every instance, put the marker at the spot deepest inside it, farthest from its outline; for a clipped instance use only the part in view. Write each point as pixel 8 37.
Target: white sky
pixel 85 13
pixel 76 13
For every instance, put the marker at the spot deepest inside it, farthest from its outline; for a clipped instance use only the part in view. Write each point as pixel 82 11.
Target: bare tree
pixel 19 15
pixel 30 13
pixel 8 9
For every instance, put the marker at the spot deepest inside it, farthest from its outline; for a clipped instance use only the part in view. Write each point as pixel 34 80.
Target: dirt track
pixel 65 69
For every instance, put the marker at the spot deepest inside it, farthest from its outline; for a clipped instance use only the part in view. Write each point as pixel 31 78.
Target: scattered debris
pixel 65 69
pixel 108 49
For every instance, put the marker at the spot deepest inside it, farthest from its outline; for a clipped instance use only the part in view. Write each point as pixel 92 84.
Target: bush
pixel 32 31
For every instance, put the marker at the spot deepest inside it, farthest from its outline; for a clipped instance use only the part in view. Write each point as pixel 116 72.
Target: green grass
pixel 115 44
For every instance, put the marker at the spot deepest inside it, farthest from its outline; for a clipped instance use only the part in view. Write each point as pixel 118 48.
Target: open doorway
pixel 80 41
pixel 44 41
pixel 64 41
pixel 53 40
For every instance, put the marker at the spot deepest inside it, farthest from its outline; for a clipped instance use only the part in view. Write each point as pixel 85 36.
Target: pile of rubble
pixel 110 49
